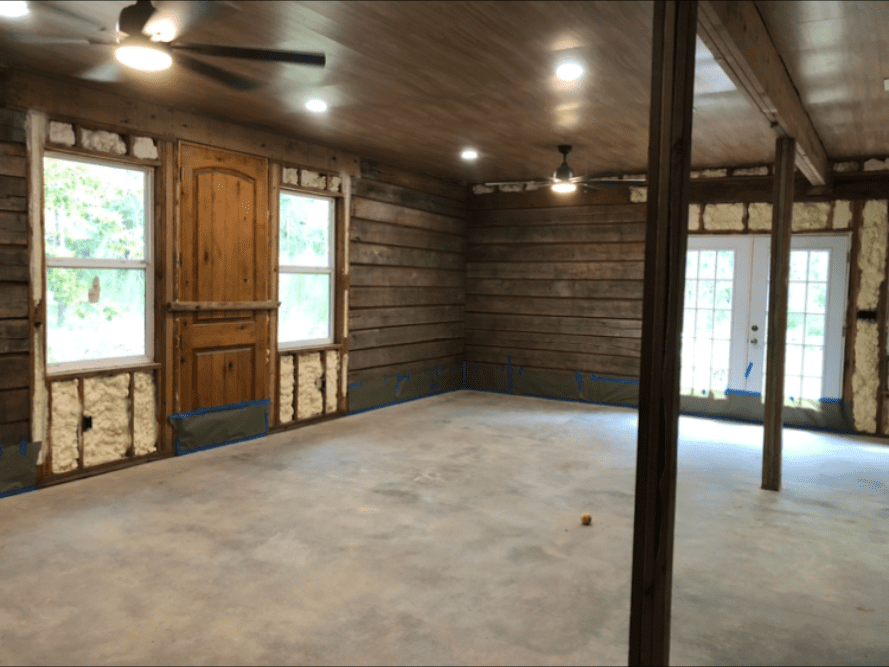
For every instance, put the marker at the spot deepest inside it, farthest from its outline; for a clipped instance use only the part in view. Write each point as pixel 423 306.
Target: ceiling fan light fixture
pixel 13 9
pixel 141 54
pixel 564 174
pixel 563 188
pixel 469 154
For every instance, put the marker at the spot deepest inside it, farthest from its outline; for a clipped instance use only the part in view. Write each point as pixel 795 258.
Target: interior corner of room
pixel 459 249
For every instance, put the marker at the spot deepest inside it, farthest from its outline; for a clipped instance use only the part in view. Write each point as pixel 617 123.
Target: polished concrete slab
pixel 447 531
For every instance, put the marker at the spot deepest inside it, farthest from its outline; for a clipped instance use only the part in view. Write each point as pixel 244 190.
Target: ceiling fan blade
pixel 50 39
pixel 225 77
pixel 108 72
pixel 295 57
pixel 174 18
pixel 57 11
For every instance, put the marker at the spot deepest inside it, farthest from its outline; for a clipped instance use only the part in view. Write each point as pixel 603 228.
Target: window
pixel 98 255
pixel 305 278
pixel 724 325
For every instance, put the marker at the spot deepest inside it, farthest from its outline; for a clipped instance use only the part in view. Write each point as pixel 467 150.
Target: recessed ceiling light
pixel 13 9
pixel 316 106
pixel 569 71
pixel 469 154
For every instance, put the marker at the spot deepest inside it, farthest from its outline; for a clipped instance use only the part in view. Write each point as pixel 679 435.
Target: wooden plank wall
pixel 407 256
pixel 556 287
pixel 15 367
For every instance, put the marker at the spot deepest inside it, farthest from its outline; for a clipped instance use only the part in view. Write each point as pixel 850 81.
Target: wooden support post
pixel 666 240
pixel 779 267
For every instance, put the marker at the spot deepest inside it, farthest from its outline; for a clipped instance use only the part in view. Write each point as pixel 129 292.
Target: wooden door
pixel 223 287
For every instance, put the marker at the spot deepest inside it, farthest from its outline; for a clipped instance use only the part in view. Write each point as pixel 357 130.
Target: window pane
pixel 705 293
pixel 796 298
pixel 93 211
pixel 815 330
pixel 814 362
pixel 795 328
pixel 798 264
pixel 793 360
pixel 305 307
pixel 722 327
pixel 725 264
pixel 94 314
pixel 724 294
pixel 305 230
pixel 691 264
pixel 811 388
pixel 818 263
pixel 817 298
pixel 708 264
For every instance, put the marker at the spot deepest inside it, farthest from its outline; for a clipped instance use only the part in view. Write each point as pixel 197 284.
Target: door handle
pixel 754 341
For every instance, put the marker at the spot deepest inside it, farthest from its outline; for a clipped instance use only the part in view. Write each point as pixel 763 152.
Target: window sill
pixel 99 372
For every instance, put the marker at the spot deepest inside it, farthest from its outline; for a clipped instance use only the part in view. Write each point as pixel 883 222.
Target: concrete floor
pixel 446 531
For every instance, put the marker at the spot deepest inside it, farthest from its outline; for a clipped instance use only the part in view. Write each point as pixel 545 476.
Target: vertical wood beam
pixel 779 266
pixel 666 240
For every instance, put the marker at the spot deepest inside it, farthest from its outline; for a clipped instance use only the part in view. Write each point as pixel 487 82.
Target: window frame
pixel 145 265
pixel 330 270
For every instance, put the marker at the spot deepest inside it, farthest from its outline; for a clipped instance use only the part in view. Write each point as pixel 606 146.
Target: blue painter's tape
pixel 23 446
pixel 742 392
pixel 434 386
pixel 385 379
pixel 220 408
pixel 579 379
pixel 599 378
pixel 1 450
pixel 521 368
pixel 464 374
pixel 837 401
pixel 509 373
pixel 749 368
pixel 16 492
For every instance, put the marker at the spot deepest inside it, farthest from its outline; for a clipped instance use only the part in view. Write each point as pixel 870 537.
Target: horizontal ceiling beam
pixel 734 32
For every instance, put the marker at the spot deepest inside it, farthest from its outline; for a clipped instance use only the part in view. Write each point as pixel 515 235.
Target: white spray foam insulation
pixel 99 140
pixel 638 195
pixel 39 412
pixel 61 133
pixel 344 375
pixel 876 165
pixel 512 187
pixel 335 184
pixel 842 214
pixel 872 259
pixel 845 166
pixel 865 381
pixel 285 396
pixel 694 217
pixel 106 400
pixel 759 217
pixel 144 148
pixel 712 173
pixel 332 370
pixel 290 176
pixel 66 416
pixel 312 179
pixel 751 171
pixel 144 414
pixel 724 217
pixel 308 400
pixel 810 216
pixel 481 190
pixel 531 187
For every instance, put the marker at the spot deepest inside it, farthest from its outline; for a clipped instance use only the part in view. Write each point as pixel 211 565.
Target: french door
pixel 724 327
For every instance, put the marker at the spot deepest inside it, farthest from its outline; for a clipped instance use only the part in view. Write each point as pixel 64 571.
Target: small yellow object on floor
pixel 586 519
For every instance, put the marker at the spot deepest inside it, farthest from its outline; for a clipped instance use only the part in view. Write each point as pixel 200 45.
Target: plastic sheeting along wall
pixel 144 414
pixel 308 400
pixel 285 396
pixel 106 401
pixel 66 415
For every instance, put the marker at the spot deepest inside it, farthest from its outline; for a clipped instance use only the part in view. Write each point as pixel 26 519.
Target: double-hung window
pixel 306 265
pixel 97 237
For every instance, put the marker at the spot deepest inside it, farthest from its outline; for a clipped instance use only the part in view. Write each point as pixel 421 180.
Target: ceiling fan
pixel 147 39
pixel 564 179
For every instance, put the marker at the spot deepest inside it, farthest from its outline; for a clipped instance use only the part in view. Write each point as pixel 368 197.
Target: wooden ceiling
pixel 413 83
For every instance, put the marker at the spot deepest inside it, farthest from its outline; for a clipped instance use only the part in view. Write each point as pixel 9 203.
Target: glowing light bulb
pixel 316 106
pixel 569 71
pixel 13 9
pixel 469 154
pixel 144 57
pixel 564 187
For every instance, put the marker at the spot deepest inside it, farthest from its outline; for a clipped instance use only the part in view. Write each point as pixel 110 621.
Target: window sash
pixel 300 343
pixel 145 264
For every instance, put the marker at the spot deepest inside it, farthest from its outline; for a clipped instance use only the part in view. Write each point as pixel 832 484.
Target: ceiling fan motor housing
pixel 134 17
pixel 564 172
